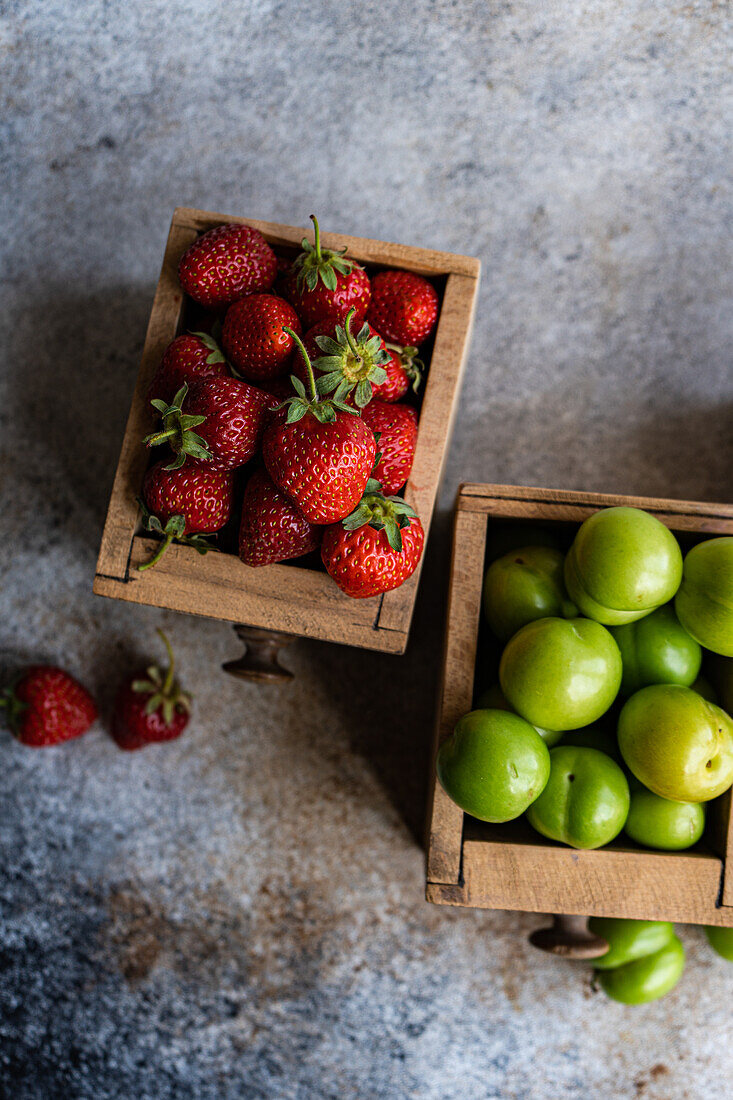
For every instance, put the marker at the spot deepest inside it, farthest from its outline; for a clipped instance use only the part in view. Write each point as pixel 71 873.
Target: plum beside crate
pixel 471 863
pixel 289 599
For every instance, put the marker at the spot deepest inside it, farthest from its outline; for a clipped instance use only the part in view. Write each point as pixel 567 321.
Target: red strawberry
pixel 231 417
pixel 225 264
pixel 403 307
pixel 321 456
pixel 273 528
pixel 187 358
pixel 47 706
pixel 374 549
pixel 150 706
pixel 182 503
pixel 323 285
pixel 404 369
pixel 397 428
pixel 348 365
pixel 254 338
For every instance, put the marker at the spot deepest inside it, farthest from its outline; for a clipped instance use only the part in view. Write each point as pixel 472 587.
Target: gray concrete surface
pixel 240 914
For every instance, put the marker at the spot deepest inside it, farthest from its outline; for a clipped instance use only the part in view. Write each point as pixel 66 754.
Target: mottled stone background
pixel 240 914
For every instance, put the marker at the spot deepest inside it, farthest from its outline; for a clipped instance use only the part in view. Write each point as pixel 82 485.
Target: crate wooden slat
pixel 474 864
pixel 287 598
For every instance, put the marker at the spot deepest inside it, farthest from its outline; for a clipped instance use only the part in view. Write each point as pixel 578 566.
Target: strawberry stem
pixel 160 437
pixel 157 555
pixel 349 337
pixel 317 237
pixel 168 682
pixel 306 360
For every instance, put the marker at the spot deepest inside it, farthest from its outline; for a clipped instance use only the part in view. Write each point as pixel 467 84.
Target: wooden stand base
pixel 570 937
pixel 260 661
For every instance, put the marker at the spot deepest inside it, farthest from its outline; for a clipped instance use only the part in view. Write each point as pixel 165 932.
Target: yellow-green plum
pixel 676 743
pixel 657 650
pixel 493 699
pixel 622 565
pixel 704 603
pixel 629 940
pixel 721 940
pixel 561 674
pixel 522 586
pixel 493 765
pixel 585 801
pixel 645 959
pixel 661 823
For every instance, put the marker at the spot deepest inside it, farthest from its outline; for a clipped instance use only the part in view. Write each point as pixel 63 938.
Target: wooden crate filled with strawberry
pixel 290 409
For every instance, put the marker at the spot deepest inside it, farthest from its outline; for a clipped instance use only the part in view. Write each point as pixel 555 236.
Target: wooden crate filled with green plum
pixel 584 745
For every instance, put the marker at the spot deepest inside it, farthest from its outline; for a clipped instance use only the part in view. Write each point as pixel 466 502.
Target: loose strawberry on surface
pixel 403 307
pixel 226 263
pixel 272 528
pixel 321 455
pixel 46 706
pixel 230 415
pixel 150 706
pixel 254 336
pixel 323 285
pixel 396 429
pixel 376 548
pixel 181 504
pixel 189 357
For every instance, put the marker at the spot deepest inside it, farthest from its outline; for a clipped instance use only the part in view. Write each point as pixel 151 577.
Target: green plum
pixel 493 765
pixel 721 940
pixel 629 940
pixel 676 743
pixel 522 586
pixel 661 823
pixel 585 801
pixel 704 603
pixel 657 650
pixel 502 538
pixel 622 565
pixel 493 699
pixel 561 674
pixel 645 959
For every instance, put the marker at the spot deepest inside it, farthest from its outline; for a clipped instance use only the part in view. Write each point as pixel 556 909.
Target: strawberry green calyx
pixel 177 431
pixel 13 707
pixel 164 690
pixel 302 403
pixel 173 531
pixel 351 362
pixel 412 364
pixel 217 355
pixel 390 514
pixel 316 263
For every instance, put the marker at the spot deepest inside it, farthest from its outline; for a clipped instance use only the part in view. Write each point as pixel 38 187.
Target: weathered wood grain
pixel 423 261
pixel 464 609
pixel 437 415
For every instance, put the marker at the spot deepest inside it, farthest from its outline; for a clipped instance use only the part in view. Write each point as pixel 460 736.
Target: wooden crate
pixel 288 597
pixel 510 866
